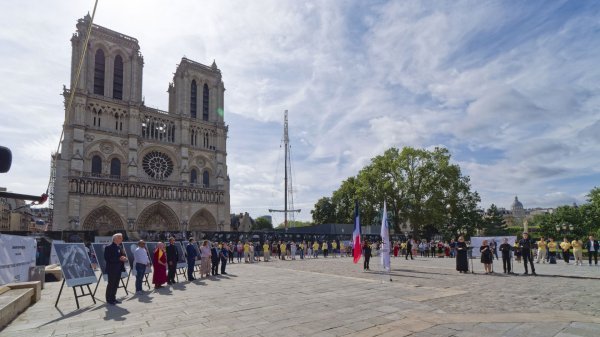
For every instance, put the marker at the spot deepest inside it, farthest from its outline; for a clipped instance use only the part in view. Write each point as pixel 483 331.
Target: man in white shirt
pixel 141 260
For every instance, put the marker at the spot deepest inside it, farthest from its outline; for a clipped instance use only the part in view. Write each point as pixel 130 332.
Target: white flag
pixel 385 240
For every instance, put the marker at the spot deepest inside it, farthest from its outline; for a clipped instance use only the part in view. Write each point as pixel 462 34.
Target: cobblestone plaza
pixel 334 297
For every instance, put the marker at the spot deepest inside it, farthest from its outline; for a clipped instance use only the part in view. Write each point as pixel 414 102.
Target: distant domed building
pixel 518 212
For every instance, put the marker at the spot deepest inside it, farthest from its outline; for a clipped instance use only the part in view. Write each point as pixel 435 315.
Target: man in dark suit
pixel 215 257
pixel 526 246
pixel 172 258
pixel 115 264
pixel 192 253
pixel 592 247
pixel 223 255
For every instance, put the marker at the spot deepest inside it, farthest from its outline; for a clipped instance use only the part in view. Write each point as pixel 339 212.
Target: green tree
pixel 324 211
pixel 421 187
pixel 493 222
pixel 262 223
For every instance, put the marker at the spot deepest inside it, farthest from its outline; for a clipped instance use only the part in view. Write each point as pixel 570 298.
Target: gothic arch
pixel 158 217
pixel 103 219
pixel 203 220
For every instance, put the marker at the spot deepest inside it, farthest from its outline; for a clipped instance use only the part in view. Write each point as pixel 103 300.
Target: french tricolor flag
pixel 356 235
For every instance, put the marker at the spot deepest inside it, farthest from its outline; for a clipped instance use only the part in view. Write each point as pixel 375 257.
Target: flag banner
pixel 385 240
pixel 356 244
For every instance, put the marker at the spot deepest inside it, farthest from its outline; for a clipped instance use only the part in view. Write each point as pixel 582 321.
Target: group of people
pixel 528 250
pixel 252 252
pixel 164 260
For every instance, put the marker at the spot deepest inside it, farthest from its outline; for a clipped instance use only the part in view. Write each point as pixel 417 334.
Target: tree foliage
pixel 493 222
pixel 571 221
pixel 262 223
pixel 421 187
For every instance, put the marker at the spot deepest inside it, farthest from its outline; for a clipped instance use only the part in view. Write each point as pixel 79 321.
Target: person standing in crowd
pixel 541 250
pixel 316 249
pixel 266 251
pixel 462 262
pixel 592 247
pixel 252 251
pixel 396 248
pixel 409 246
pixel 172 258
pixel 452 248
pixel 301 249
pixel 256 251
pixel 205 259
pixel 309 247
pixel 246 252
pixel 334 248
pixel 577 252
pixel 422 249
pixel 215 257
pixel 140 257
pixel 552 250
pixel 231 249
pixel 517 250
pixel 505 249
pixel 282 248
pixel 293 249
pixel 240 251
pixel 565 246
pixel 115 264
pixel 366 251
pixel 325 248
pixel 223 253
pixel 432 248
pixel 494 249
pixel 526 245
pixel 486 256
pixel 159 262
pixel 191 258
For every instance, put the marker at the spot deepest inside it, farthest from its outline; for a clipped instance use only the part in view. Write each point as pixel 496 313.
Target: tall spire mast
pixel 286 142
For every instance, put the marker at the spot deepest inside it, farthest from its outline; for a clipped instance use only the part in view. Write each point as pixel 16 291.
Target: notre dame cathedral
pixel 126 166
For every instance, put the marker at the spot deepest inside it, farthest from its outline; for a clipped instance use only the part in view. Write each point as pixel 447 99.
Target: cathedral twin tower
pixel 125 166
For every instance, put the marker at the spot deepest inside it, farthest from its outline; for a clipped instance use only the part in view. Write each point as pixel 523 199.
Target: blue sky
pixel 510 87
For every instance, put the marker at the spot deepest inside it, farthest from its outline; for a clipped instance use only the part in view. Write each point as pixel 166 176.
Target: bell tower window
pixel 99 72
pixel 205 103
pixel 193 99
pixel 118 78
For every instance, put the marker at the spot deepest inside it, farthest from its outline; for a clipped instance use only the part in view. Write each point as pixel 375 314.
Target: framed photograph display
pixel 75 263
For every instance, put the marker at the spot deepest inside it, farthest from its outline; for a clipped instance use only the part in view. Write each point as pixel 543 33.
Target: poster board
pixel 477 240
pixel 99 251
pixel 17 255
pixel 151 247
pixel 182 261
pixel 53 256
pixel 130 248
pixel 75 263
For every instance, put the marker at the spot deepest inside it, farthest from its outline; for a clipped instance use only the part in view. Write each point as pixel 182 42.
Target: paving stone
pixel 333 297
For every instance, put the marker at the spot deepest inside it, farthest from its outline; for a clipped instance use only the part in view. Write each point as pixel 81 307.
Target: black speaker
pixel 5 159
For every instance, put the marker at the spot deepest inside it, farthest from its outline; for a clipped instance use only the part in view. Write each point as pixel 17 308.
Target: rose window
pixel 157 165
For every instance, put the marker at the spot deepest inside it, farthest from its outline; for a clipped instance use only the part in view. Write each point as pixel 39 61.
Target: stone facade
pixel 125 166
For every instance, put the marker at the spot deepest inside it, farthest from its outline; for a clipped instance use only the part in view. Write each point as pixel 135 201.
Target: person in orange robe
pixel 159 260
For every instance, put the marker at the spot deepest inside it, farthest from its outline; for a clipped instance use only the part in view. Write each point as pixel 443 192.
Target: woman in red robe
pixel 159 260
pixel 396 249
